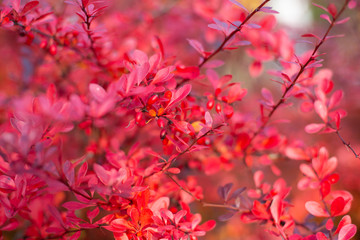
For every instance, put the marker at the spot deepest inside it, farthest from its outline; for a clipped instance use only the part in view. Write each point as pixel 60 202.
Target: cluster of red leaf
pixel 111 121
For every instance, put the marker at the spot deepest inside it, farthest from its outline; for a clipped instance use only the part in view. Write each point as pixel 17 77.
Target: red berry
pixel 138 117
pixel 161 123
pixel 217 92
pixel 162 133
pixel 218 108
pixel 152 99
pixel 210 104
pixel 53 49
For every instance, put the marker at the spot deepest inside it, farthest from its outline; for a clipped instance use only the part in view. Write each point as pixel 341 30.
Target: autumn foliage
pixel 134 120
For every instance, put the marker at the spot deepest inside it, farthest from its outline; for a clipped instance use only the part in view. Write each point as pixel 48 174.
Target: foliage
pixel 117 123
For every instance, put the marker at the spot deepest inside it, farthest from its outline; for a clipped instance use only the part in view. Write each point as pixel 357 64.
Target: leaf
pixel 307 171
pixel 321 236
pixel 258 178
pixel 335 98
pixel 197 46
pixel 342 20
pixel 92 214
pixel 208 120
pixel 102 174
pixel 179 95
pixel 315 209
pixel 225 217
pixel 97 92
pixel 337 206
pixel 72 205
pixel 29 6
pixel 326 17
pixel 268 10
pixel 276 208
pixel 224 191
pixel 347 232
pixel 296 153
pixel 345 220
pixel 321 7
pixel 69 172
pixel 314 127
pixel 239 5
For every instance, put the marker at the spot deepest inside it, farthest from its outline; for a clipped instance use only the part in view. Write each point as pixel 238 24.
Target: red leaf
pixel 347 232
pixel 337 206
pixel 207 226
pixel 29 6
pixel 187 72
pixel 321 236
pixel 92 214
pixel 316 209
pixel 12 225
pixel 344 221
pixel 74 205
pixel 276 208
pixel 75 236
pixel 179 95
pixel 332 9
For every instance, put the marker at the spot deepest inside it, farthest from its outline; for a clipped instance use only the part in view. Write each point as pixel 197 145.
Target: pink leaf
pixel 296 153
pixel 319 6
pixel 347 232
pixel 102 174
pixel 208 120
pixel 329 224
pixel 258 178
pixel 197 46
pixel 314 127
pixel 97 92
pixel 236 93
pixel 307 171
pixel 342 20
pixel 267 96
pixel 69 172
pixel 316 209
pixel 335 98
pixel 326 17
